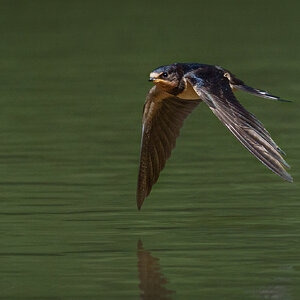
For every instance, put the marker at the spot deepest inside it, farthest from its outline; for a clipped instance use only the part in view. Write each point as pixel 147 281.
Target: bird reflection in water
pixel 152 282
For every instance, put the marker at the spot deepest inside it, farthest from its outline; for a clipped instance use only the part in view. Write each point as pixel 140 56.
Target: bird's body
pixel 178 90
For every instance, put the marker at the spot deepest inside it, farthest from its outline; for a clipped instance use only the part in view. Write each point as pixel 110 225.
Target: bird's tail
pixel 257 92
pixel 237 84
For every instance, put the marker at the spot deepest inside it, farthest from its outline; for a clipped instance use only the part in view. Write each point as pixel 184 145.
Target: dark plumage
pixel 178 90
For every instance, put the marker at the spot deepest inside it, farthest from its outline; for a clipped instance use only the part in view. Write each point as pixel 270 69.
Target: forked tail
pixel 237 84
pixel 257 92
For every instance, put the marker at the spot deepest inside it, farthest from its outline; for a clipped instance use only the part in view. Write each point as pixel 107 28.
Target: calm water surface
pixel 218 225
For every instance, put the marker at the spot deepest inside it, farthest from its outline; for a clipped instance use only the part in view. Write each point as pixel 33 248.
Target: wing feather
pixel 163 117
pixel 243 125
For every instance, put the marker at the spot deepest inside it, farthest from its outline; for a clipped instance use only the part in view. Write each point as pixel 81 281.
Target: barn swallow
pixel 178 89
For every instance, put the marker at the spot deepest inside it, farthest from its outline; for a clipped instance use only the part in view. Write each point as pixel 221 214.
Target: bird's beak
pixel 154 77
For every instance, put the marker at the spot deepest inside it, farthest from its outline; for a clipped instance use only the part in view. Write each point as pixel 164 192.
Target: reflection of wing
pixel 245 127
pixel 162 119
pixel 151 280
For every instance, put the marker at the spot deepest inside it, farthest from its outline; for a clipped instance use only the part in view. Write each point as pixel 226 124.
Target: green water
pixel 217 225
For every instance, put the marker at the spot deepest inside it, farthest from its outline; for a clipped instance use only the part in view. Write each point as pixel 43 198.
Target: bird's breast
pixel 188 93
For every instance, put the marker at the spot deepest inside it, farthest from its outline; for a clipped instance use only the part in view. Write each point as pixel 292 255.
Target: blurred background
pixel 217 225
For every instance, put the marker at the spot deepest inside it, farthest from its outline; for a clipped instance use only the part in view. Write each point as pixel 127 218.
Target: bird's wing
pixel 245 126
pixel 163 117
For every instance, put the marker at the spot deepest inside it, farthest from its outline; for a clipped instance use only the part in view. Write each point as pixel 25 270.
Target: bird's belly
pixel 188 93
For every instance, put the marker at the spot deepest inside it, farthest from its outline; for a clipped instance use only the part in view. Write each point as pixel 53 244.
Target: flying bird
pixel 178 89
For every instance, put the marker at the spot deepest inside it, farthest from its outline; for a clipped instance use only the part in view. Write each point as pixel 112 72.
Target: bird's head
pixel 168 78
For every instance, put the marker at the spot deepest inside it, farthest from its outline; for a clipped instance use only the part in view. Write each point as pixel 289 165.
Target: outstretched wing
pixel 218 94
pixel 162 119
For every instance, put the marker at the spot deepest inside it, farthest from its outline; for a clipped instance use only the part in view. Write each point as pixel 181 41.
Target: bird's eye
pixel 165 74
